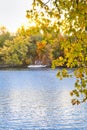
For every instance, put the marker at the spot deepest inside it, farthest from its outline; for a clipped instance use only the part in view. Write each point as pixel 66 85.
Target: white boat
pixel 37 66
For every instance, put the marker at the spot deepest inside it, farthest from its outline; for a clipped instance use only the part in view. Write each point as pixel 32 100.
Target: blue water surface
pixel 38 100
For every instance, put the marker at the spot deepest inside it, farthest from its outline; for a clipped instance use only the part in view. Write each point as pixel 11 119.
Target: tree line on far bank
pixel 29 46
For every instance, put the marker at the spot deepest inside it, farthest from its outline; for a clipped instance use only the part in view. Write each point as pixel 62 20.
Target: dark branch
pixel 57 6
pixel 47 2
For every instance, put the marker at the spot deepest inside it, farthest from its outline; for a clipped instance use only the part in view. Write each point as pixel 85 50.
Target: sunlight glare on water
pixel 36 99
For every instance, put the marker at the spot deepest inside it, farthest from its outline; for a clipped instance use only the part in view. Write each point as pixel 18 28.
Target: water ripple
pixel 37 100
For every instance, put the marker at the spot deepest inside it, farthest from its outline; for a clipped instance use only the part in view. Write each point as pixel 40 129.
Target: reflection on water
pixel 36 99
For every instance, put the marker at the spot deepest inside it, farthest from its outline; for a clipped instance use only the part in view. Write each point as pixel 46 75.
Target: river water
pixel 38 100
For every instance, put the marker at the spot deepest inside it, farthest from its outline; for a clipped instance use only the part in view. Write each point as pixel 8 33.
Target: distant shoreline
pixel 12 66
pixel 4 66
pixel 15 66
